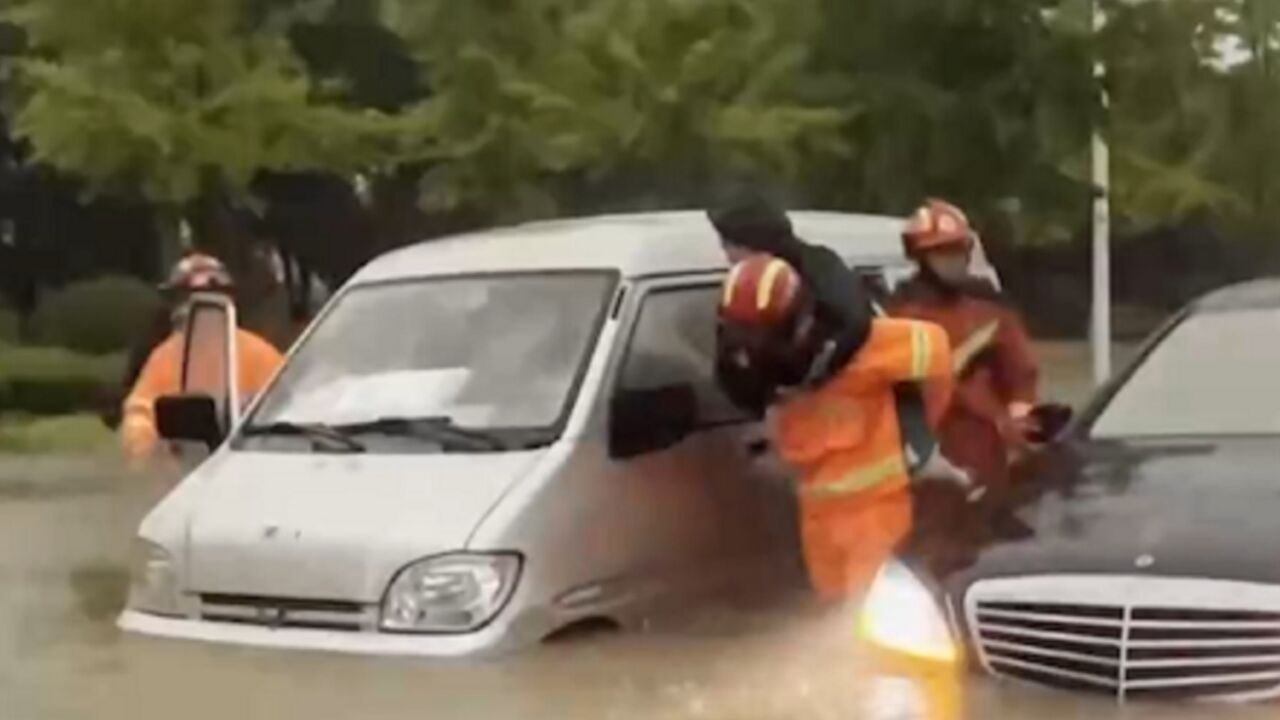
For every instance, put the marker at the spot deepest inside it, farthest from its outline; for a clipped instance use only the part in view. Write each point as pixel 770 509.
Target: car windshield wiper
pixel 441 429
pixel 319 434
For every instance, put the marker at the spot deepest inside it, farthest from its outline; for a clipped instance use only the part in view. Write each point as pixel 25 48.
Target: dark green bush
pixel 96 316
pixel 63 435
pixel 9 326
pixel 55 381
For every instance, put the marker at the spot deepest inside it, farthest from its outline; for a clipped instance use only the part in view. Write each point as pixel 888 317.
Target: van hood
pixel 335 527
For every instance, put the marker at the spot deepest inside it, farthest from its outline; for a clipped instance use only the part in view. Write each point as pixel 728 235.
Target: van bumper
pixel 491 640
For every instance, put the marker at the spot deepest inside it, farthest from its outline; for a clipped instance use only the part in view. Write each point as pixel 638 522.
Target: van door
pixel 719 504
pixel 209 363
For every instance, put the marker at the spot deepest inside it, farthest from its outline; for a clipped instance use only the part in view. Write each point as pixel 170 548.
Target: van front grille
pixel 288 612
pixel 1125 636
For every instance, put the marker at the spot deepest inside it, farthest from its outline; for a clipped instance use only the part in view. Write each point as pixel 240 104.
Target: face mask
pixel 949 267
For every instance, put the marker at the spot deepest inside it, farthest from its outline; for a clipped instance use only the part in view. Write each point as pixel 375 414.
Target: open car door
pixel 209 363
pixel 209 355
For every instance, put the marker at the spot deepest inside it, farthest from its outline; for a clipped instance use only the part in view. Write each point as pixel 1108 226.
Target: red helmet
pixel 763 326
pixel 937 224
pixel 762 293
pixel 198 271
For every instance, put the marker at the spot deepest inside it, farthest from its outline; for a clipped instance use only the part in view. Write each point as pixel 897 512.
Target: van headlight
pixel 449 593
pixel 901 615
pixel 153 579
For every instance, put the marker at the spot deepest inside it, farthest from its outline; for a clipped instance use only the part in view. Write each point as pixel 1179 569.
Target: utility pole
pixel 1100 327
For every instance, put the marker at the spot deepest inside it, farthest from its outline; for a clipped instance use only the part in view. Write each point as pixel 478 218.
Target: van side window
pixel 674 342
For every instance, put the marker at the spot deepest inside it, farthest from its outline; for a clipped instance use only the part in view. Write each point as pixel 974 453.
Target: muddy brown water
pixel 64 527
pixel 64 531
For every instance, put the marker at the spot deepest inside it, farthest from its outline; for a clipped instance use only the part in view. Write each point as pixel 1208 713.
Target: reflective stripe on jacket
pixel 845 435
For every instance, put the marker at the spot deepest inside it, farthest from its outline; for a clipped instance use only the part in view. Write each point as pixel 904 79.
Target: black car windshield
pixel 1213 374
pixel 485 352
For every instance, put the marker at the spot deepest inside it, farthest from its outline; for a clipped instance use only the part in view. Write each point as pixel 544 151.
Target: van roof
pixel 636 245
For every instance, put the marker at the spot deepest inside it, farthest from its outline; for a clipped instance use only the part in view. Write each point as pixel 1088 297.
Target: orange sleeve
pixel 809 426
pixel 138 435
pixel 898 351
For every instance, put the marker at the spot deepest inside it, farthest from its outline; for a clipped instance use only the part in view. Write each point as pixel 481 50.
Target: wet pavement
pixel 64 532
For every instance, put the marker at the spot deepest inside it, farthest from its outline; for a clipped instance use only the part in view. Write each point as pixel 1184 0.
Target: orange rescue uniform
pixel 257 362
pixel 855 501
pixel 997 380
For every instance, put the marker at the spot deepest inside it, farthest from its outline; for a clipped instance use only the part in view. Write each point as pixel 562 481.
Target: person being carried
pixel 833 416
pixel 256 363
pixel 749 224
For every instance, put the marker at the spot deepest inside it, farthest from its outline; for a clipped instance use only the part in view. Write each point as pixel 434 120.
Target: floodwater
pixel 64 531
pixel 64 527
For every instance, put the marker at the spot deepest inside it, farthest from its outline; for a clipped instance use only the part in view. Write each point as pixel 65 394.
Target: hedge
pixel 97 316
pixel 55 381
pixel 9 326
pixel 62 435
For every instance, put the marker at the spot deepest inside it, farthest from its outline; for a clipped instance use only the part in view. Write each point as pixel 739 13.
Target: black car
pixel 1139 554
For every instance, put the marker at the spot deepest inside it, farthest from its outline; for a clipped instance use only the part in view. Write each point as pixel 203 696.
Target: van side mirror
pixel 1051 419
pixel 646 421
pixel 191 418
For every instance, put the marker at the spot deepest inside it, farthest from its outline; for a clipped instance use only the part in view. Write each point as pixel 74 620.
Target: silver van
pixel 482 442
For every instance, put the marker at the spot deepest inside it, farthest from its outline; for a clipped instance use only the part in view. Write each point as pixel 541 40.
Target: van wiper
pixel 441 429
pixel 319 434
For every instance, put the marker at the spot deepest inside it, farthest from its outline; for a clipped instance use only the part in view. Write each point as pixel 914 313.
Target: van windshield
pixel 494 352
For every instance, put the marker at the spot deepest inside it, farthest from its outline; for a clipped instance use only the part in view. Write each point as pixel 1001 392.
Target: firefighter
pixel 996 374
pixel 256 363
pixel 836 422
pixel 749 224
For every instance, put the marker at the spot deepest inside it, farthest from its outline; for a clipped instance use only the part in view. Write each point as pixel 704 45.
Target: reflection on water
pixel 62 560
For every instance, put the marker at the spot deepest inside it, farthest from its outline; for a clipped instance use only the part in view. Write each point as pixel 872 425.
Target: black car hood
pixel 1182 508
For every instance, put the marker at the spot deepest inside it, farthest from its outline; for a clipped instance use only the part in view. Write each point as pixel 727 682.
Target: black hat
pixel 748 219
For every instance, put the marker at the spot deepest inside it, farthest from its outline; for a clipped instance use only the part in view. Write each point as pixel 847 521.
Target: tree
pixel 1169 118
pixel 538 101
pixel 184 102
pixel 1248 158
pixel 986 102
pixel 319 221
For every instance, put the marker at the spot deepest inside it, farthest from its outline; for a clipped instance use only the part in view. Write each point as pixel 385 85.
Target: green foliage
pixel 985 102
pixel 97 316
pixel 673 90
pixel 10 326
pixel 54 381
pixel 165 97
pixel 1167 120
pixel 63 435
pixel 517 108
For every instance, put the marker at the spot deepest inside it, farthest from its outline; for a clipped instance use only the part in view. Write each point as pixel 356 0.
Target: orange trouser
pixel 848 539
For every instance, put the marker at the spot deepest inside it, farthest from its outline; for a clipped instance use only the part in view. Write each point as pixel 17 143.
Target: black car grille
pixel 287 612
pixel 1145 649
